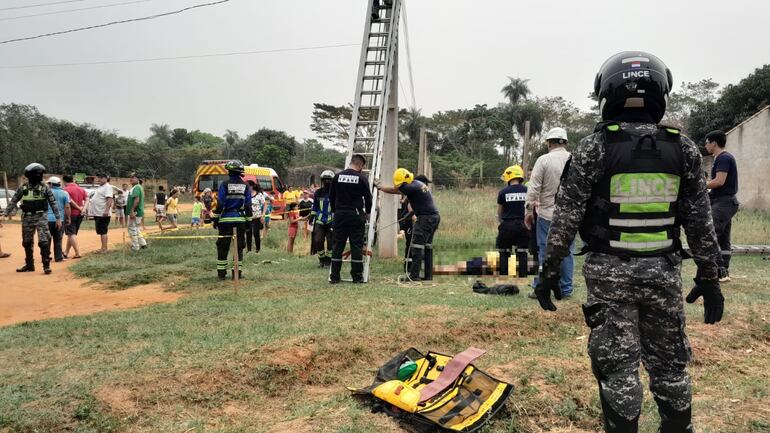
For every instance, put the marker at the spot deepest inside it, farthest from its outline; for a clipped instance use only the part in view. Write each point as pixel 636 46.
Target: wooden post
pixel 525 150
pixel 421 153
pixel 236 276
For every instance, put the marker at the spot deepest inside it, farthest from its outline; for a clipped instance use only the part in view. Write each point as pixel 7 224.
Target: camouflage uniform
pixel 634 305
pixel 35 221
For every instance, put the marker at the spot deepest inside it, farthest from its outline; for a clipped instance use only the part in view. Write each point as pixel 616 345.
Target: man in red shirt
pixel 77 204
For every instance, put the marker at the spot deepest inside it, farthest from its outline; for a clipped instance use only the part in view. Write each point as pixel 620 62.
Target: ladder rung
pixel 366 138
pixel 371 92
pixel 374 62
pixel 378 34
pixel 376 48
pixel 367 122
pixel 373 77
pixel 382 21
pixel 369 107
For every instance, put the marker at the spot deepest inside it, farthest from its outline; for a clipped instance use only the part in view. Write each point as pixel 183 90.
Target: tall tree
pixel 517 90
pixel 161 132
pixel 268 148
pixel 331 123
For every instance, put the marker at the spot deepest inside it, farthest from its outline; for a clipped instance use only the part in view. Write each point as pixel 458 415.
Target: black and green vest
pixel 633 208
pixel 33 199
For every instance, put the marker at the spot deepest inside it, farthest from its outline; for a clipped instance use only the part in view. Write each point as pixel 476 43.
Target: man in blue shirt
pixel 724 204
pixel 63 202
pixel 510 213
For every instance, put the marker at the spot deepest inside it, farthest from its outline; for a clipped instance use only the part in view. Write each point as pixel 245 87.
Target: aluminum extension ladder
pixel 370 107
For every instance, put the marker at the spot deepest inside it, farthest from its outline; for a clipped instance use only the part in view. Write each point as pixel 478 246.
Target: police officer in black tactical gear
pixel 629 189
pixel 351 200
pixel 233 213
pixel 34 198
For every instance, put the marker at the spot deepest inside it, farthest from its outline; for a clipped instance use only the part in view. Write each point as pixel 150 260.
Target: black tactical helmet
pixel 633 79
pixel 234 166
pixel 34 172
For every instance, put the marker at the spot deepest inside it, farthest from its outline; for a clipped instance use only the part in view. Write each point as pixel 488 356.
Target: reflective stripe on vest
pixel 643 241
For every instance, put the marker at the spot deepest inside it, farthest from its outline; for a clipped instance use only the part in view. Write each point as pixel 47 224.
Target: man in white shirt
pixel 101 205
pixel 541 196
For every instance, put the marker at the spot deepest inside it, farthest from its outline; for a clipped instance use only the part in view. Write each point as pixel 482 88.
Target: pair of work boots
pixel 222 275
pixel 30 267
pixel 671 420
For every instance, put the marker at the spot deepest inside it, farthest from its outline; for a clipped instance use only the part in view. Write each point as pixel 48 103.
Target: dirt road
pixel 35 296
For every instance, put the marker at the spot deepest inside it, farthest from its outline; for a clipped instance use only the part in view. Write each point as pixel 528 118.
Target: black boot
pixel 47 267
pixel 334 271
pixel 221 275
pixel 428 261
pixel 240 274
pixel 504 256
pixel 616 423
pixel 26 268
pixel 672 420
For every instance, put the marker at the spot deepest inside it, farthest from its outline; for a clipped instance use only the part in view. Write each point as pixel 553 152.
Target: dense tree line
pixel 468 145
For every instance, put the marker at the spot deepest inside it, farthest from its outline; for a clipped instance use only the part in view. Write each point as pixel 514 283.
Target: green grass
pixel 279 354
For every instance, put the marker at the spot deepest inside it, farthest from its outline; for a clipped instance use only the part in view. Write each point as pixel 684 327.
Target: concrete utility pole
pixel 387 237
pixel 525 150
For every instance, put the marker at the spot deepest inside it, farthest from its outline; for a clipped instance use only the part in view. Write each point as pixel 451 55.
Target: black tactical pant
pixel 223 245
pixel 322 242
pixel 56 237
pixel 29 225
pixel 348 224
pixel 421 246
pixel 513 236
pixel 723 208
pixel 635 313
pixel 253 229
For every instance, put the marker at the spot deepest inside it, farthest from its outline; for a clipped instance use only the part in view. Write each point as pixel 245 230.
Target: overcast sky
pixel 462 51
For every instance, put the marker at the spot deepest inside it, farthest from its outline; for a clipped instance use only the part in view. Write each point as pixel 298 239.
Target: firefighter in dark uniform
pixel 34 198
pixel 321 218
pixel 428 219
pixel 511 233
pixel 232 213
pixel 351 200
pixel 630 188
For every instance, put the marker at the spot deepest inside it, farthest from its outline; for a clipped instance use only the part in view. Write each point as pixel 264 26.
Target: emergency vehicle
pixel 211 173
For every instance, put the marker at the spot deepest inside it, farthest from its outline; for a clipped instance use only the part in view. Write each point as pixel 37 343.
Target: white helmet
pixel 53 180
pixel 327 174
pixel 557 134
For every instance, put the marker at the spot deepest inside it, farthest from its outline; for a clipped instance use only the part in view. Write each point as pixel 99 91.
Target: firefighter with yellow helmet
pixel 512 233
pixel 421 201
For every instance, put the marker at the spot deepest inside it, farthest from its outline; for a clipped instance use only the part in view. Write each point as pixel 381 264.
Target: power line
pixel 195 56
pixel 73 10
pixel 40 4
pixel 150 17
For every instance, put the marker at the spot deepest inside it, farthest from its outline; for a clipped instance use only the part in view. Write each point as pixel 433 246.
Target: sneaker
pixel 566 296
pixel 725 279
pixel 724 275
pixel 26 268
pixel 532 295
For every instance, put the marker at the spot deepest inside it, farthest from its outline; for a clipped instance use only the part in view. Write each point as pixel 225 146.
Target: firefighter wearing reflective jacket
pixel 629 189
pixel 428 219
pixel 351 200
pixel 511 233
pixel 321 219
pixel 232 213
pixel 34 198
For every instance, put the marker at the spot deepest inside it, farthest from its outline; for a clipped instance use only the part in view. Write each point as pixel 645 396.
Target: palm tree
pixel 517 90
pixel 161 132
pixel 231 139
pixel 411 122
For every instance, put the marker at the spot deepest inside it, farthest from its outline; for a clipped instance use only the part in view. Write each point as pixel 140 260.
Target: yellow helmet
pixel 512 172
pixel 402 175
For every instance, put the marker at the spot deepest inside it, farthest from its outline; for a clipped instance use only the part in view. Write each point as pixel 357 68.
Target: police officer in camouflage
pixel 34 198
pixel 629 189
pixel 232 214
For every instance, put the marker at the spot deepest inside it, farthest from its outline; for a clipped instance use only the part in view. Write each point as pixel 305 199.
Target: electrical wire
pixel 20 17
pixel 41 4
pixel 80 29
pixel 409 55
pixel 197 56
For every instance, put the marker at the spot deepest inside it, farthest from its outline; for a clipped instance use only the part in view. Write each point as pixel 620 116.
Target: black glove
pixel 214 222
pixel 549 282
pixel 713 301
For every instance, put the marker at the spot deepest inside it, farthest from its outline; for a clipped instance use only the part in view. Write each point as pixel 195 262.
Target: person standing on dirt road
pixel 77 206
pixel 57 231
pixel 101 204
pixel 629 189
pixel 34 198
pixel 724 204
pixel 135 214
